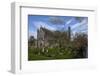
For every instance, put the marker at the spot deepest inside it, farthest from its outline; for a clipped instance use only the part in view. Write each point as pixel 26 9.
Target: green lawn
pixel 54 53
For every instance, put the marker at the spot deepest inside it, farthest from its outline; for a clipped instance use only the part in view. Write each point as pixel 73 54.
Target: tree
pixel 81 44
pixel 31 41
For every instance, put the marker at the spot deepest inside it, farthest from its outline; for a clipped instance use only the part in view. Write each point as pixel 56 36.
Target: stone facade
pixel 47 37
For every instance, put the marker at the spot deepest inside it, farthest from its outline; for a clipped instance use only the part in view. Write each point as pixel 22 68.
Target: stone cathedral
pixel 48 38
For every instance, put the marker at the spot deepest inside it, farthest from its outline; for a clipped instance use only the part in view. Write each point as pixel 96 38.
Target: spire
pixel 69 33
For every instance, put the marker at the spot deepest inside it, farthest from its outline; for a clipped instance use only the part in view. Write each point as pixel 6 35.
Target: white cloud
pixel 33 33
pixel 69 21
pixel 75 26
pixel 39 24
pixel 79 27
pixel 56 20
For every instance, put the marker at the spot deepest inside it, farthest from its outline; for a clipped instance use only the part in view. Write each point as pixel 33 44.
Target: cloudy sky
pixel 61 23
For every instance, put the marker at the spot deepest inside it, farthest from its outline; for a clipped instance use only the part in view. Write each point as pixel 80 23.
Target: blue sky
pixel 61 23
